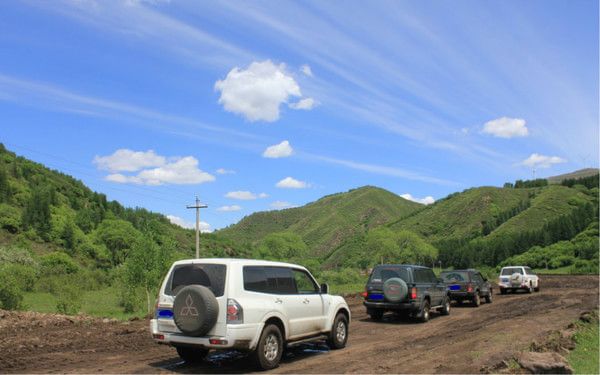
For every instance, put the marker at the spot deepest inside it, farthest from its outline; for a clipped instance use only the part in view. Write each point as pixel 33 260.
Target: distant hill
pixel 328 222
pixel 586 172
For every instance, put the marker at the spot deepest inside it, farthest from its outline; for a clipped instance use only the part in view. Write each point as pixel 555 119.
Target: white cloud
pixel 280 150
pixel 204 226
pixel 231 208
pixel 257 92
pixel 305 104
pixel 427 200
pixel 225 171
pixel 291 183
pixel 506 127
pixel 306 70
pixel 175 170
pixel 278 205
pixel 245 195
pixel 542 161
pixel 125 160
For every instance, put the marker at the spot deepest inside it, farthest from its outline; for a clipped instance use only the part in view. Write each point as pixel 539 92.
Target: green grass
pixel 557 271
pixel 347 288
pixel 102 303
pixel 584 358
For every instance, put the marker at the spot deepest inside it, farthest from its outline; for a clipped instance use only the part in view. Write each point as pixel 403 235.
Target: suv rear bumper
pixel 461 295
pixel 238 336
pixel 411 306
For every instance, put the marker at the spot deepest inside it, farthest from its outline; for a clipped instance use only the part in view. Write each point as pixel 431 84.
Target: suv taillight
pixel 235 313
pixel 469 288
pixel 365 293
pixel 413 293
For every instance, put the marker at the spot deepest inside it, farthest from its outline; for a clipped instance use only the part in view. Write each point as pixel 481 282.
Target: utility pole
pixel 197 206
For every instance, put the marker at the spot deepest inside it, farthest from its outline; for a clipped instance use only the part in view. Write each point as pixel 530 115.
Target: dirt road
pixel 465 342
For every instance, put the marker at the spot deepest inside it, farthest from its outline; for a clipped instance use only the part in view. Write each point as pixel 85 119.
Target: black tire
pixel 529 289
pixel 488 297
pixel 476 300
pixel 537 289
pixel 502 291
pixel 195 310
pixel 423 316
pixel 445 310
pixel 339 332
pixel 269 349
pixel 375 314
pixel 190 354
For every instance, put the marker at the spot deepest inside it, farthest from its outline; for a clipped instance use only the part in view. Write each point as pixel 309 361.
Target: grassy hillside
pixel 586 172
pixel 463 215
pixel 326 224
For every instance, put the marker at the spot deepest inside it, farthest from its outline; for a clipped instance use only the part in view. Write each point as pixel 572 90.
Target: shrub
pixel 24 276
pixel 10 218
pixel 584 267
pixel 58 263
pixel 11 296
pixel 18 255
pixel 68 298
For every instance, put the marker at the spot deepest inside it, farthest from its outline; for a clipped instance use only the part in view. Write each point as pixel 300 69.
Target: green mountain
pixel 327 223
pixel 586 172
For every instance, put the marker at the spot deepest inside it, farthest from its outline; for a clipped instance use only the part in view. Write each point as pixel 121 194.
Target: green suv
pixel 405 289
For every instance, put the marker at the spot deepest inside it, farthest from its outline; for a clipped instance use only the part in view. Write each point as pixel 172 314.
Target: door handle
pixel 277 300
pixel 306 300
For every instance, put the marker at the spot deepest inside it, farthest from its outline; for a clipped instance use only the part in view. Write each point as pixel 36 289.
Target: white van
pixel 249 305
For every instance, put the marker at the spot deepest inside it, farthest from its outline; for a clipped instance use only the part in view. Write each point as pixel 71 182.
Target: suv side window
pixel 421 275
pixel 477 278
pixel 304 283
pixel 273 280
pixel 528 271
pixel 432 277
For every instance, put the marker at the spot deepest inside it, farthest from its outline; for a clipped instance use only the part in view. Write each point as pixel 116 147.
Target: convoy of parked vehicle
pixel 264 307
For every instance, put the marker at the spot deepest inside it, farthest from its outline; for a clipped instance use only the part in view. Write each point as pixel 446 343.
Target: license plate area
pixel 454 287
pixel 376 297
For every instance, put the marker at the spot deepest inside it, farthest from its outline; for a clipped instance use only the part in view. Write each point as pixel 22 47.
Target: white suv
pixel 514 278
pixel 249 305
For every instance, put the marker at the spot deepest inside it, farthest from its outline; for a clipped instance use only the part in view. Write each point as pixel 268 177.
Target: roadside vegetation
pixel 584 358
pixel 65 248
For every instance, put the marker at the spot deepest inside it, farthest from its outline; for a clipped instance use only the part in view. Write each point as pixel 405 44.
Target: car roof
pixel 514 267
pixel 401 265
pixel 462 270
pixel 230 261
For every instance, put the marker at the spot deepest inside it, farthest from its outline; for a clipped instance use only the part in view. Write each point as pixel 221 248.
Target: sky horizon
pixel 257 105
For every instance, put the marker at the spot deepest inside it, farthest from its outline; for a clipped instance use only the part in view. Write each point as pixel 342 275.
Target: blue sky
pixel 261 105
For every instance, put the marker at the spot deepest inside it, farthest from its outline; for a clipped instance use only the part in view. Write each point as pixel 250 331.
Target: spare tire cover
pixel 516 279
pixel 395 289
pixel 195 310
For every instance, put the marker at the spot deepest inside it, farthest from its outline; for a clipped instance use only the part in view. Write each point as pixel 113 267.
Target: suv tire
pixel 375 314
pixel 269 349
pixel 537 288
pixel 423 316
pixel 445 310
pixel 339 332
pixel 476 300
pixel 488 297
pixel 191 355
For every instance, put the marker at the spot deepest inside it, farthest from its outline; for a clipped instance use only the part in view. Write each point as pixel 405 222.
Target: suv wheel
pixel 191 355
pixel 339 332
pixel 424 313
pixel 445 310
pixel 269 349
pixel 529 289
pixel 488 298
pixel 537 288
pixel 502 291
pixel 476 300
pixel 375 314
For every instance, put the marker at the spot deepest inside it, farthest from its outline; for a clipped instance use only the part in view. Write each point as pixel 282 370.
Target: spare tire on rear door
pixel 516 279
pixel 195 310
pixel 395 289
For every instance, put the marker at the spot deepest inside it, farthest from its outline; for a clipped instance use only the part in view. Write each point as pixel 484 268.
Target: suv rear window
pixel 510 271
pixel 266 279
pixel 211 276
pixel 381 274
pixel 454 276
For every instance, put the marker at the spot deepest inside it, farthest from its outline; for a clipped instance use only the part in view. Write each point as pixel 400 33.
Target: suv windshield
pixel 211 276
pixel 381 273
pixel 510 271
pixel 454 276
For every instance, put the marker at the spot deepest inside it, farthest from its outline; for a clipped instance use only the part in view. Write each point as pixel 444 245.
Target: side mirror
pixel 324 288
pixel 440 280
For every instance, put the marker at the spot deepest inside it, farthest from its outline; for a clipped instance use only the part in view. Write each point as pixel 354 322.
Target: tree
pixel 282 246
pixel 37 213
pixel 118 236
pixel 5 190
pixel 403 246
pixel 146 265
